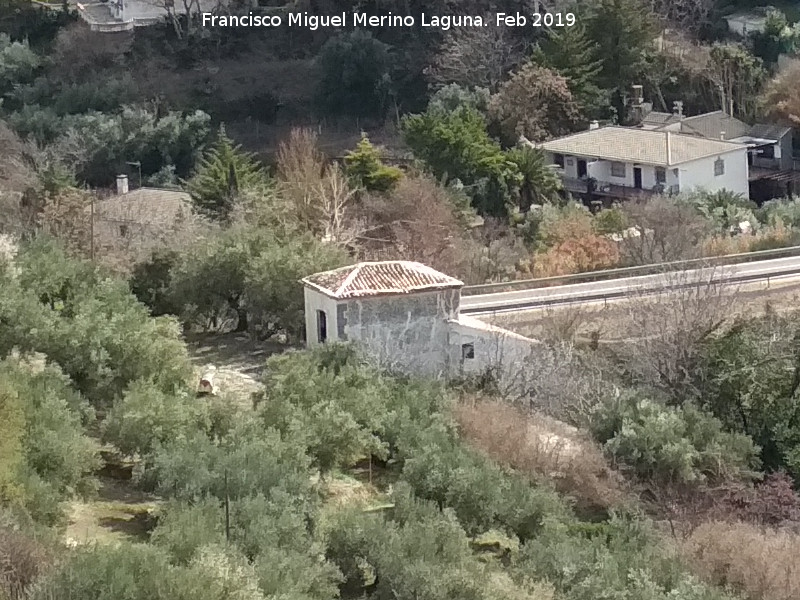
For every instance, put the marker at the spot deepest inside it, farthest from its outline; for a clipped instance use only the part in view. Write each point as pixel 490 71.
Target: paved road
pixel 578 293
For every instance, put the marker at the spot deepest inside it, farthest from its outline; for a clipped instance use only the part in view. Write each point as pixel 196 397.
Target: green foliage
pixel 723 209
pixel 750 384
pixel 335 412
pixel 224 172
pixel 482 496
pixel 248 461
pixel 355 75
pixel 271 288
pixel 669 445
pixel 539 183
pixel 781 212
pixel 249 271
pixel 150 281
pixel 620 559
pixel 455 145
pixel 137 571
pixel 622 31
pixel 88 323
pixel 741 76
pixel 364 168
pixel 451 97
pixel 18 63
pixel 100 144
pixel 572 54
pixel 48 459
pixel 778 37
pixel 610 220
pixel 146 417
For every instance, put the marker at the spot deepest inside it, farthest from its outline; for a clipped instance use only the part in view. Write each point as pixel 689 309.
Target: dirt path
pixel 239 361
pixel 120 512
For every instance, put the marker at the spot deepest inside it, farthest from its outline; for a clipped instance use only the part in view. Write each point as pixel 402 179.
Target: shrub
pixel 540 448
pixel 671 446
pixel 146 417
pixel 759 563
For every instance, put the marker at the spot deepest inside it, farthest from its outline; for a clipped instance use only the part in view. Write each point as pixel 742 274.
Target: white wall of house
pixel 491 348
pixel 316 301
pixel 699 174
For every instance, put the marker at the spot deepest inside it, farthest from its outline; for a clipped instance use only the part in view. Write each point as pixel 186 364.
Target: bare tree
pixel 664 229
pixel 336 208
pixel 475 57
pixel 687 15
pixel 670 325
pixel 781 99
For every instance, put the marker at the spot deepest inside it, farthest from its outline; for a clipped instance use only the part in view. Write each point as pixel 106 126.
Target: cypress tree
pixel 222 174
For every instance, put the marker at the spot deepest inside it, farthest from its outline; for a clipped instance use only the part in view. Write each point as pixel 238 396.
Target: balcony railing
pixel 602 188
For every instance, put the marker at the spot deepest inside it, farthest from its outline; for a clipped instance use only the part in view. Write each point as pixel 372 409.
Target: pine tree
pixel 366 170
pixel 224 172
pixel 623 30
pixel 570 53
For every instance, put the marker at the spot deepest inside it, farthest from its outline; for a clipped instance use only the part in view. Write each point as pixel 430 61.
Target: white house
pixel 626 162
pixel 405 315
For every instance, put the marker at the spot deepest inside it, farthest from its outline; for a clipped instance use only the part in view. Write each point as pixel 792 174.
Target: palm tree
pixel 540 183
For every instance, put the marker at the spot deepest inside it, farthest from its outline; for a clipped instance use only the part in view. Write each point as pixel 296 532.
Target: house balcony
pixel 610 190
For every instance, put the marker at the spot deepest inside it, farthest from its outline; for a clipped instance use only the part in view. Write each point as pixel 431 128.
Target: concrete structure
pixel 406 317
pixel 625 162
pixel 745 23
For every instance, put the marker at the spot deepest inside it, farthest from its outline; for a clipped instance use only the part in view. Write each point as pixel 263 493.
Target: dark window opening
pixel 559 159
pixel 766 152
pixel 322 326
pixel 123 231
pixel 467 351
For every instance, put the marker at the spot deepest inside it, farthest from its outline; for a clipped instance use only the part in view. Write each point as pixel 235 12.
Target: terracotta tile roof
pixel 634 145
pixel 146 206
pixel 379 278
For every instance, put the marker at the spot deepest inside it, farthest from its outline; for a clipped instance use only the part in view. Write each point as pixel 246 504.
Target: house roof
pixel 379 278
pixel 769 132
pixel 146 206
pixel 633 145
pixel 712 125
pixel 660 118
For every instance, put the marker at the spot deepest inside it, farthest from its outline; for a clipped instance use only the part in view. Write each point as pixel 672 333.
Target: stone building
pixel 405 315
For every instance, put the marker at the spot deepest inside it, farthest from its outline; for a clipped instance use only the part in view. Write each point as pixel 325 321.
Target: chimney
pixel 678 108
pixel 669 147
pixel 722 135
pixel 122 184
pixel 594 125
pixel 638 95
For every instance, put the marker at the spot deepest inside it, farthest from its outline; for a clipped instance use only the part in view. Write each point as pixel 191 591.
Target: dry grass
pixel 762 564
pixel 542 448
pixel 119 513
pixel 21 560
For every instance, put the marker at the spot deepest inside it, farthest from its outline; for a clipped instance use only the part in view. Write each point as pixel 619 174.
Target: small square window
pixel 467 351
pixel 661 175
pixel 570 162
pixel 618 169
pixel 719 167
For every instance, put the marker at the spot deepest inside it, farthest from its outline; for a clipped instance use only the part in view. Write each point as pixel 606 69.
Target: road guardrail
pixel 606 274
